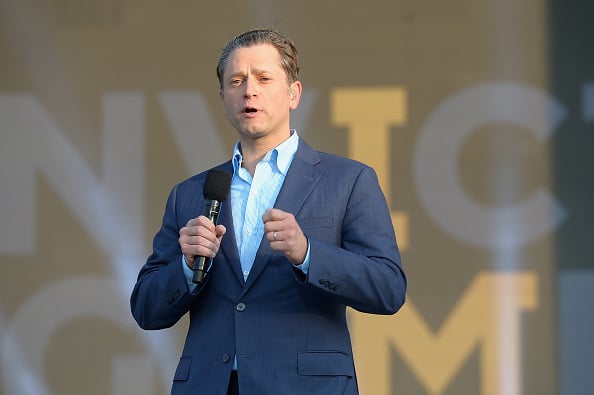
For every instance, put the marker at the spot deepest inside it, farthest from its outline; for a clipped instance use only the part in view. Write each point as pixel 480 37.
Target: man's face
pixel 256 96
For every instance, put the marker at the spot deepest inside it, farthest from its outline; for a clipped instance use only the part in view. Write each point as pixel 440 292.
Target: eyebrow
pixel 241 73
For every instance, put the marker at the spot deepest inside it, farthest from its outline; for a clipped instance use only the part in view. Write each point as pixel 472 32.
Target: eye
pixel 235 82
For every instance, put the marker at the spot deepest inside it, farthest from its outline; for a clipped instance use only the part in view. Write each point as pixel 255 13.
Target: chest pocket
pixel 316 222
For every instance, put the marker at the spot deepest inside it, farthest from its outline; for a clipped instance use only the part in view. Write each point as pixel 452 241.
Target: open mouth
pixel 250 110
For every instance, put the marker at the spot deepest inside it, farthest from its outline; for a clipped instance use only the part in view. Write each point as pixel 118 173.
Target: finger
pixel 199 246
pixel 192 222
pixel 196 235
pixel 201 221
pixel 273 214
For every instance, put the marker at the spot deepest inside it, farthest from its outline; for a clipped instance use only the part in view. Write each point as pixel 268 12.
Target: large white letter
pixel 109 206
pixel 437 152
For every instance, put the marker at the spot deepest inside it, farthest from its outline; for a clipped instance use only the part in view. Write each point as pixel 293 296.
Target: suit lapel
pixel 229 243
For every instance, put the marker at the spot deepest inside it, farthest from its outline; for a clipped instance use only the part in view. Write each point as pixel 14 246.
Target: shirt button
pixel 249 231
pixel 246 273
pixel 240 306
pixel 226 358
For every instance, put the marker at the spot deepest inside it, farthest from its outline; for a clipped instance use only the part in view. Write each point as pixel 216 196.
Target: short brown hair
pixel 283 44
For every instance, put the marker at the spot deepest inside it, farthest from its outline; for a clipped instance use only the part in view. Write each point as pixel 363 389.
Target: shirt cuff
pixel 304 267
pixel 189 274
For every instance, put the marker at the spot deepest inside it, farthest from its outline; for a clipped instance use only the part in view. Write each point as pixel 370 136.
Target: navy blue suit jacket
pixel 288 331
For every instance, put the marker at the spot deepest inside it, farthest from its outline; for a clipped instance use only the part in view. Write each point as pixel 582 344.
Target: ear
pixel 295 94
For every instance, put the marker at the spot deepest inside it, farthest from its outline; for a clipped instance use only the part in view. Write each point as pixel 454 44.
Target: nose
pixel 250 88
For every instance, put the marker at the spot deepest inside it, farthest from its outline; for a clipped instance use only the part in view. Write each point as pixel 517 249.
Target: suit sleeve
pixel 161 295
pixel 363 269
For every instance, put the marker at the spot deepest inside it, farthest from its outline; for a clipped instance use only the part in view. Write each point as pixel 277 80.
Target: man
pixel 302 236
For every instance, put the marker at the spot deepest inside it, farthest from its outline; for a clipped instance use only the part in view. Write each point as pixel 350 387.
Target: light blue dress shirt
pixel 251 197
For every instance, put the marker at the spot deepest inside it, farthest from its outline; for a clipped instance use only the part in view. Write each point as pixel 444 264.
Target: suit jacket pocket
pixel 319 221
pixel 325 363
pixel 183 369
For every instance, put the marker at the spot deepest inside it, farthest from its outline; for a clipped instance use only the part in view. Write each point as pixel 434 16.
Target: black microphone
pixel 216 189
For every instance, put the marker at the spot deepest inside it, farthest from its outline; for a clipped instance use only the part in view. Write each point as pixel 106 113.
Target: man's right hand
pixel 200 237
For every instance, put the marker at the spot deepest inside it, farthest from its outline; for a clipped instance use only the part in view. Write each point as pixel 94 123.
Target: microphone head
pixel 217 185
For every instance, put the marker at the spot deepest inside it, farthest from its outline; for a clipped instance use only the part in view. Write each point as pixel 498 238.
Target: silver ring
pixel 274 236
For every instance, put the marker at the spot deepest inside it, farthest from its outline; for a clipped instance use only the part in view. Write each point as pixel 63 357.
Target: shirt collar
pixel 282 154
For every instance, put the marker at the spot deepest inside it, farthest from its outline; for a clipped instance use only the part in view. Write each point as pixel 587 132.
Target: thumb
pixel 220 230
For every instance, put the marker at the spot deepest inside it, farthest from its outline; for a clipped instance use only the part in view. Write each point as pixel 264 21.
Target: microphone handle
pixel 201 263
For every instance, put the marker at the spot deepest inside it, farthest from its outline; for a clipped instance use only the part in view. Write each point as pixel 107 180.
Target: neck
pixel 252 151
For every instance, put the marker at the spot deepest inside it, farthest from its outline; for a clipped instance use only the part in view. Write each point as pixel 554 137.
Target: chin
pixel 253 133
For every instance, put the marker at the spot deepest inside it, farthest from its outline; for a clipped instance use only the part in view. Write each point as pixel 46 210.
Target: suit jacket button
pixel 240 306
pixel 226 358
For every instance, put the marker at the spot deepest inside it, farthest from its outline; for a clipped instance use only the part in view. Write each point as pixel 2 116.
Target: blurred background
pixel 478 116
